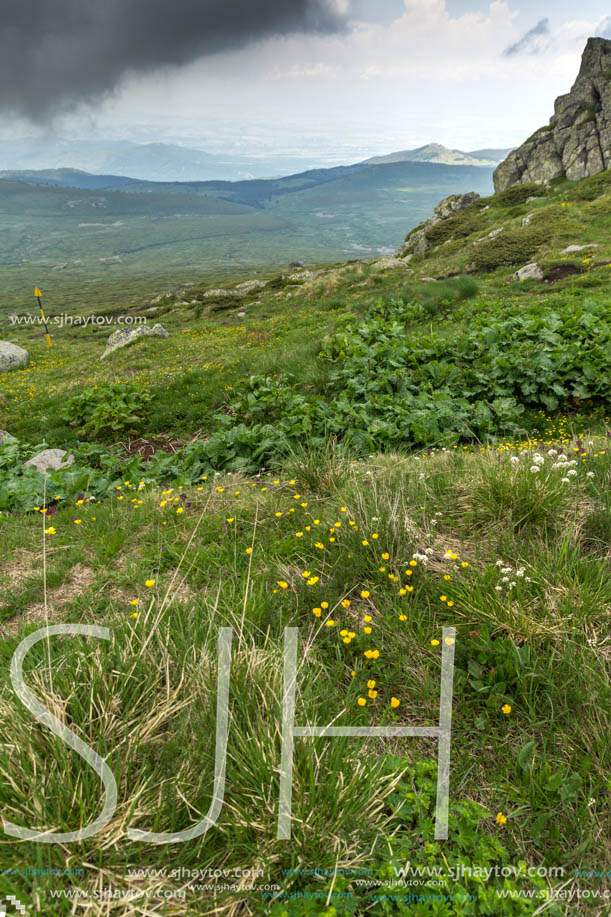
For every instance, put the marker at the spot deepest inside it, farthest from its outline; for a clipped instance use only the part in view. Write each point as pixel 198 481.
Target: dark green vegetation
pixel 396 455
pixel 83 245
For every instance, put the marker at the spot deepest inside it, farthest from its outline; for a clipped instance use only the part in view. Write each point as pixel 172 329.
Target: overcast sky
pixel 358 76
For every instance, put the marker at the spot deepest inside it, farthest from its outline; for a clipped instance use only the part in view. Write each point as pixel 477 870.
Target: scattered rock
pixel 250 285
pixel 577 141
pixel 12 357
pixel 578 248
pixel 388 263
pixel 527 219
pixel 5 437
pixel 53 459
pixel 299 277
pixel 241 314
pixel 125 336
pixel 223 293
pixel 530 271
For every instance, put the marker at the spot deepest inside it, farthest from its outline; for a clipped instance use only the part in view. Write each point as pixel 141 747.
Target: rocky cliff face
pixel 577 141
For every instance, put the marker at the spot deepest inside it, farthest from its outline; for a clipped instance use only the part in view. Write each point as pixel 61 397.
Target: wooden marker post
pixel 38 295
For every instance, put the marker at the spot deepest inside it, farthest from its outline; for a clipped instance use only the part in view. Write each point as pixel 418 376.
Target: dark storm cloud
pixel 57 53
pixel 528 44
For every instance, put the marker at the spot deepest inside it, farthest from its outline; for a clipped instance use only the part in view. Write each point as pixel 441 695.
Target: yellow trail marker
pixel 38 295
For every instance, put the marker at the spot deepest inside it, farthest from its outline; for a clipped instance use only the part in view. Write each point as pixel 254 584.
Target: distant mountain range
pixel 435 152
pixel 63 228
pixel 166 162
pixel 149 161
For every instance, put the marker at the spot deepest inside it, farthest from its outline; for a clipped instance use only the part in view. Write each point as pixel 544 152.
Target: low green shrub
pixel 518 194
pixel 514 246
pixel 458 226
pixel 588 189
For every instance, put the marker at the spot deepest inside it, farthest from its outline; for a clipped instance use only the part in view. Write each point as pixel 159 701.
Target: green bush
pixel 457 226
pixel 514 246
pixel 518 194
pixel 104 409
pixel 588 189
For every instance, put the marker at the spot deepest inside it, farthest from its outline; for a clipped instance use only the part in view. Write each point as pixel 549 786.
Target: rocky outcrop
pixel 12 357
pixel 417 242
pixel 577 141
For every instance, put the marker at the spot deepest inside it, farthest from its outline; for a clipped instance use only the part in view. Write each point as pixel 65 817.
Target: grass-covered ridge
pixel 368 455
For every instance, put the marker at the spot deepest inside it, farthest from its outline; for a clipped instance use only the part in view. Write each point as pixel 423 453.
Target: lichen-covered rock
pixel 578 248
pixel 300 276
pixel 126 336
pixel 12 357
pixel 223 293
pixel 577 141
pixel 388 263
pixel 53 459
pixel 417 242
pixel 530 271
pixel 249 286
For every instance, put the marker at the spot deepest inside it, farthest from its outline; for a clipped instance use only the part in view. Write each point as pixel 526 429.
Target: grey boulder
pixel 530 271
pixel 12 357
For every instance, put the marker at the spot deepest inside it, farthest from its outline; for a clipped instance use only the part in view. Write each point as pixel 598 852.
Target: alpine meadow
pixel 305 473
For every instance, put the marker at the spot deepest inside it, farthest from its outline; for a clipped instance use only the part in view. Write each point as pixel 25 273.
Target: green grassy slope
pixel 369 455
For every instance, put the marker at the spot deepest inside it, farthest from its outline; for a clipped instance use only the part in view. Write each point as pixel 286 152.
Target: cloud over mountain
pixel 54 55
pixel 529 42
